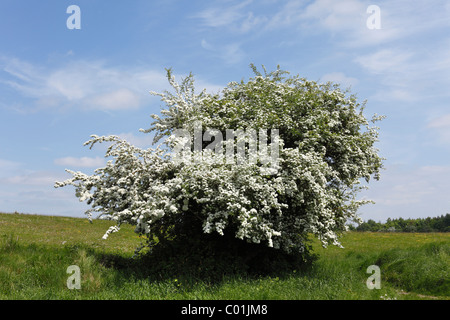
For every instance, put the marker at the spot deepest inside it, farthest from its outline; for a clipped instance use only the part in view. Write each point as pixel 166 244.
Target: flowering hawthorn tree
pixel 325 148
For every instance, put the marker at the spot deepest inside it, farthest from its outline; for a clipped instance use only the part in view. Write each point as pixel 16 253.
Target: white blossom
pixel 311 190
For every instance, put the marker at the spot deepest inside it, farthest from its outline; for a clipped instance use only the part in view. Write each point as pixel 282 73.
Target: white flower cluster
pixel 322 156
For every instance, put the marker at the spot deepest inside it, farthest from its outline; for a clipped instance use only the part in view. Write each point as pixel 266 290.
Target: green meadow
pixel 35 252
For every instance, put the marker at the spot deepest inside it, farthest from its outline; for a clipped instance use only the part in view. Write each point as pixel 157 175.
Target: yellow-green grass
pixel 59 231
pixel 35 252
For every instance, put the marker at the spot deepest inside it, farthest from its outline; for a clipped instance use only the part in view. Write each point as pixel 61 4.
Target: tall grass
pixel 424 269
pixel 35 252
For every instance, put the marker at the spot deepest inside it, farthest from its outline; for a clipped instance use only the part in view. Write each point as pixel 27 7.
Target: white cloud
pixel 143 140
pixel 15 174
pixel 34 192
pixel 335 15
pixel 206 45
pixel 85 162
pixel 341 78
pixel 71 82
pixel 408 192
pixel 346 20
pixel 385 61
pixel 230 53
pixel 251 22
pixel 234 17
pixel 87 85
pixel 7 166
pixel 218 17
pixel 409 74
pixel 441 126
pixel 441 122
pixel 81 84
pixel 415 67
pixel 117 99
pixel 398 78
pixel 31 178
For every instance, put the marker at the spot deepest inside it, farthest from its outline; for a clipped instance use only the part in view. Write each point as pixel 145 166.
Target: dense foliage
pixel 307 184
pixel 429 224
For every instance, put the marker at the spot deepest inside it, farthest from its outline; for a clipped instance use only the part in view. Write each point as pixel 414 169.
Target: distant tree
pixel 446 227
pixel 410 227
pixel 435 224
pixel 370 225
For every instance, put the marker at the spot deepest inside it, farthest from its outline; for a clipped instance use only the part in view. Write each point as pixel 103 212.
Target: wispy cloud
pixel 236 17
pixel 385 61
pixel 117 99
pixel 87 85
pixel 411 76
pixel 23 178
pixel 33 192
pixel 340 77
pixel 220 24
pixel 343 23
pixel 413 191
pixel 80 84
pixel 346 20
pixel 230 53
pixel 140 139
pixel 411 187
pixel 7 167
pixel 335 16
pixel 441 126
pixel 83 162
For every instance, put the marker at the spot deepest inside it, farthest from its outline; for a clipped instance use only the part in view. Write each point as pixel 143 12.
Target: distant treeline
pixel 436 224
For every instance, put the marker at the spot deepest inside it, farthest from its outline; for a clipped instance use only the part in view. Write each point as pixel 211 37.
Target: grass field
pixel 35 252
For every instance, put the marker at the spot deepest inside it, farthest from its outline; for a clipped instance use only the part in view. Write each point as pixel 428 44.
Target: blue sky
pixel 58 85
